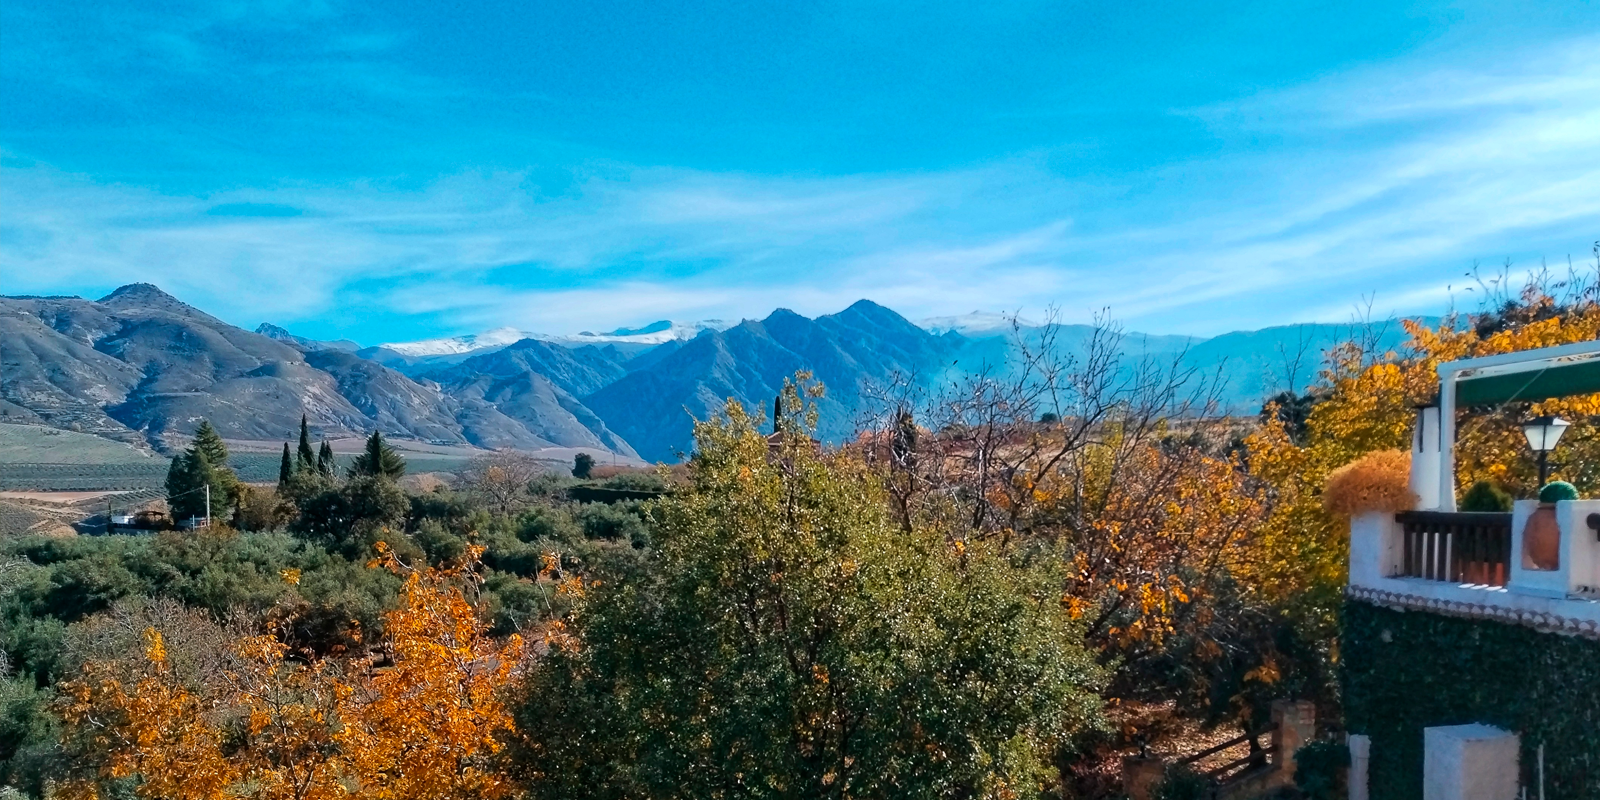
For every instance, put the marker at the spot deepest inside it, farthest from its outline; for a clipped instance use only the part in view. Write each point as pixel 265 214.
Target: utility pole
pixel 208 506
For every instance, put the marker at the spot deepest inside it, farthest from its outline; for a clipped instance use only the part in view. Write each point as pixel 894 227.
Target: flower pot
pixel 1541 539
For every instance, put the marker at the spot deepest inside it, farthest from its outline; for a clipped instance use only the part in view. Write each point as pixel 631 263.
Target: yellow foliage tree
pixel 425 723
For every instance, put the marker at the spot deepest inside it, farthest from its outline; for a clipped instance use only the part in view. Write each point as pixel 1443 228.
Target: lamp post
pixel 1543 433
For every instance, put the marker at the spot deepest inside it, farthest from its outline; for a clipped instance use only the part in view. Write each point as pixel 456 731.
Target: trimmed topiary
pixel 1486 496
pixel 1556 491
pixel 1377 481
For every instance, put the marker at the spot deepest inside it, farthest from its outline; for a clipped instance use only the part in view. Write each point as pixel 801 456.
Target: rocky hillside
pixel 139 365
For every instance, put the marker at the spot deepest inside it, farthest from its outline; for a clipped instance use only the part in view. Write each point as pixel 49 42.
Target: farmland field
pixel 34 444
pixel 152 472
pixel 39 459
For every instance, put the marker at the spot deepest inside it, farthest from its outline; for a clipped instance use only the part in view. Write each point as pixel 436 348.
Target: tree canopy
pixel 378 460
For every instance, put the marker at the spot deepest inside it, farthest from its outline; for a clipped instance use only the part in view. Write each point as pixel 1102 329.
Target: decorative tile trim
pixel 1540 621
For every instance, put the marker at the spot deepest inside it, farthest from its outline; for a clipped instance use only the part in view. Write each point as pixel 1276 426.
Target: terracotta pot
pixel 1541 539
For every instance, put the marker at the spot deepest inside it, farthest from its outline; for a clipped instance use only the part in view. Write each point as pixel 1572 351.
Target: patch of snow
pixel 655 333
pixel 456 345
pixel 975 322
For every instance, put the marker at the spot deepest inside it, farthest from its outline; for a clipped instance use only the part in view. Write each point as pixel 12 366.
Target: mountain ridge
pixel 139 365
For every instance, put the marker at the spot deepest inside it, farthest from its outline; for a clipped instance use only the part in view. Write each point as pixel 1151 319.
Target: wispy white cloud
pixel 1386 181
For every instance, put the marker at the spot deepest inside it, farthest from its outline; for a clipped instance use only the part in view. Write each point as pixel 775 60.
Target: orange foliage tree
pixel 425 721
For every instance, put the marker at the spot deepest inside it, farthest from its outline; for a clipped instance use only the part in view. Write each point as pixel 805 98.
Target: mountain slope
pixel 140 365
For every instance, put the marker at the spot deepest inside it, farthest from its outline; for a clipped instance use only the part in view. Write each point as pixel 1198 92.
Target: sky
pixel 403 170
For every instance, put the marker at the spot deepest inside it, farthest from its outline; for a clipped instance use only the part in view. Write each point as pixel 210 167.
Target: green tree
pixel 209 442
pixel 353 515
pixel 379 460
pixel 582 466
pixel 325 463
pixel 790 641
pixel 305 459
pixel 285 469
pixel 203 465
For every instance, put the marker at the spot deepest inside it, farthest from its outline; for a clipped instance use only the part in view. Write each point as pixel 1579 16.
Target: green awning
pixel 1557 380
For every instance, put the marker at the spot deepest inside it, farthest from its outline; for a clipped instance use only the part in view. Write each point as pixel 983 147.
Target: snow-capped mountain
pixel 655 333
pixel 457 345
pixel 978 322
pixel 652 334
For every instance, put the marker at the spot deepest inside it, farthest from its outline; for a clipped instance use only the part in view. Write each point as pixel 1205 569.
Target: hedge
pixel 1408 670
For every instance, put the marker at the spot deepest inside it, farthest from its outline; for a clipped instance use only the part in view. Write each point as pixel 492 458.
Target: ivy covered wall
pixel 1408 670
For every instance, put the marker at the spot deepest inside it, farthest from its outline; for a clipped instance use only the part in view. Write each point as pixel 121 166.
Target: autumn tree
pixel 502 479
pixel 1116 467
pixel 792 640
pixel 267 724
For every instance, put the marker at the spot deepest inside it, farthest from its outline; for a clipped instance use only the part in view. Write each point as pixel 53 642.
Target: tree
pixel 793 641
pixel 502 479
pixel 306 460
pixel 379 460
pixel 582 466
pixel 268 726
pixel 351 515
pixel 285 469
pixel 209 442
pixel 203 465
pixel 325 463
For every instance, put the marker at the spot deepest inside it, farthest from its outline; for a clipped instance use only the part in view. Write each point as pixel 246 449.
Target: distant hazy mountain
pixel 654 407
pixel 271 331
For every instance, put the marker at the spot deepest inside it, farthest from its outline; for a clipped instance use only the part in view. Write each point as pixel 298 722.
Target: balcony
pixel 1483 565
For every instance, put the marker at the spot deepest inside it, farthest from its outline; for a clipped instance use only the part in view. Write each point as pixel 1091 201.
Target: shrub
pixel 1486 496
pixel 1377 481
pixel 1556 491
pixel 1317 766
pixel 1181 782
pixel 609 522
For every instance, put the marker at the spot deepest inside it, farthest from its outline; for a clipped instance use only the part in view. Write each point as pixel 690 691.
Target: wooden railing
pixel 1458 547
pixel 1257 757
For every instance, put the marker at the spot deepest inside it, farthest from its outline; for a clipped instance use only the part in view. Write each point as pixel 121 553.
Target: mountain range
pixel 140 366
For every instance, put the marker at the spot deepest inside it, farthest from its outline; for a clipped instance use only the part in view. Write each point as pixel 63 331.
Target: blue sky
pixel 398 170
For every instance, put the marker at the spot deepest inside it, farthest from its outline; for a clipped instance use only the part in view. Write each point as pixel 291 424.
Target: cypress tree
pixel 285 468
pixel 307 460
pixel 325 463
pixel 379 460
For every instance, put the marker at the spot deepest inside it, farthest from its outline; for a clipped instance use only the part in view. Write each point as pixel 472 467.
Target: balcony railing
pixel 1457 547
